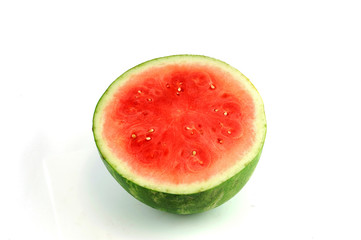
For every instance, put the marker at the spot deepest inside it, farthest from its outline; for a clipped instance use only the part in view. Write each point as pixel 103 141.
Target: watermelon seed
pixel 194 153
pixel 212 87
pixel 220 140
pixel 188 128
pixel 192 132
pixel 149 99
pixel 148 138
pixel 216 110
pixel 134 136
pixel 225 113
pixel 151 130
pixel 167 85
pixel 179 89
pixel 229 132
pixel 139 91
pixel 178 93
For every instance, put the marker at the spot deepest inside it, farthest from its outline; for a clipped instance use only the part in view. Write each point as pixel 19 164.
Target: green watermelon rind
pixel 183 202
pixel 187 203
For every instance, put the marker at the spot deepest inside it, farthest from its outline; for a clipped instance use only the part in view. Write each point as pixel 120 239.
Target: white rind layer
pixel 123 168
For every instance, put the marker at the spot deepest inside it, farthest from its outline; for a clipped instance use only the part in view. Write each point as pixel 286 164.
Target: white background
pixel 58 57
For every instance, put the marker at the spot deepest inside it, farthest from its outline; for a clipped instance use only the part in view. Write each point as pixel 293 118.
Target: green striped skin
pixel 182 202
pixel 187 203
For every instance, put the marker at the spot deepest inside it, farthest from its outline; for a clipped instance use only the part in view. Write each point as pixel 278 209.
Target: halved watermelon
pixel 181 133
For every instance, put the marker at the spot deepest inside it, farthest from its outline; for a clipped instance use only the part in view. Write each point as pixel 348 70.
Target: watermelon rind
pixel 187 203
pixel 183 198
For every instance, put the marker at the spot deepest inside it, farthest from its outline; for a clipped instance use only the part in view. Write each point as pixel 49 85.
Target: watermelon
pixel 181 133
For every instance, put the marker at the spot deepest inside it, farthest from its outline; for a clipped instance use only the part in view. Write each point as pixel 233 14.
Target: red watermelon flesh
pixel 178 123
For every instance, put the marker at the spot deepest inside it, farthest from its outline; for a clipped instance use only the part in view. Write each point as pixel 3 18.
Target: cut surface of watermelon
pixel 179 125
